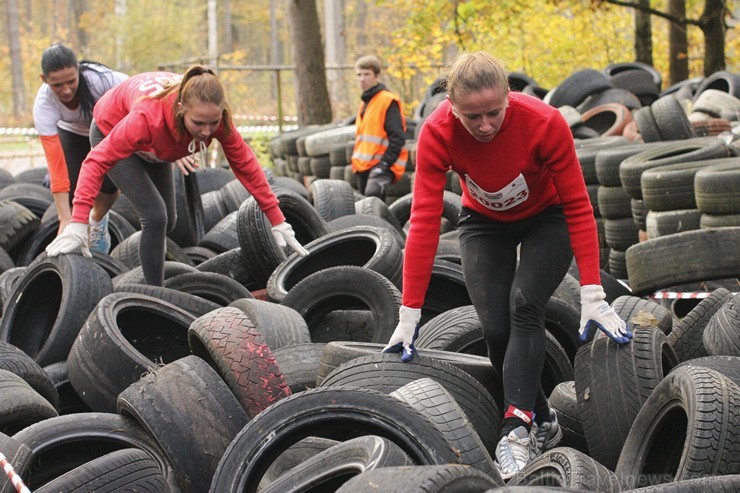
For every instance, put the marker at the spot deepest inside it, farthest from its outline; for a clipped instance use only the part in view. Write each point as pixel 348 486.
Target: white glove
pixel 285 236
pixel 597 314
pixel 74 236
pixel 404 337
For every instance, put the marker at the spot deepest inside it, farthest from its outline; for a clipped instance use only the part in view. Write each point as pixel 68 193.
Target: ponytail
pixel 84 96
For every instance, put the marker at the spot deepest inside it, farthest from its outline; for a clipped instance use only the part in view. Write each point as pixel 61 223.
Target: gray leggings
pixel 149 187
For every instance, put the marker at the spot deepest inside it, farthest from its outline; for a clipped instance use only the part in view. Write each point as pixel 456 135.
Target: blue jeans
pixel 510 296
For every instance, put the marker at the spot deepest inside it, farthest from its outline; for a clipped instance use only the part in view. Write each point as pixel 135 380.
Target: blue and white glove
pixel 284 236
pixel 74 236
pixel 597 314
pixel 404 337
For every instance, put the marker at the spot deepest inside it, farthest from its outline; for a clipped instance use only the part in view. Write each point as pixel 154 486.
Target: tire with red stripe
pixel 229 341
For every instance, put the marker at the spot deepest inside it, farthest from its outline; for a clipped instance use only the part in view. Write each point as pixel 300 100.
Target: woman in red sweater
pixel 525 214
pixel 140 128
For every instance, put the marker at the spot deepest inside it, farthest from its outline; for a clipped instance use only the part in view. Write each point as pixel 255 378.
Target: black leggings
pixel 75 148
pixel 510 300
pixel 150 189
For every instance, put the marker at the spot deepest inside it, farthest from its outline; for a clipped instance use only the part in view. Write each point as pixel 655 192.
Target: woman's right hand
pixel 74 236
pixel 403 338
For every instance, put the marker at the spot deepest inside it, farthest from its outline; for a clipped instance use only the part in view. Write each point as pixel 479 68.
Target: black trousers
pixel 374 184
pixel 510 294
pixel 75 148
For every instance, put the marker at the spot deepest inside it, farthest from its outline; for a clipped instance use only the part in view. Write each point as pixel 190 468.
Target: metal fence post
pixel 279 101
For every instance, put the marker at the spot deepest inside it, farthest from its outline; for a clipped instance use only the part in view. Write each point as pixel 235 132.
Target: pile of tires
pixel 255 369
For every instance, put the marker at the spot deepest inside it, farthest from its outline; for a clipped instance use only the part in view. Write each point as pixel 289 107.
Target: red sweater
pixel 134 123
pixel 529 165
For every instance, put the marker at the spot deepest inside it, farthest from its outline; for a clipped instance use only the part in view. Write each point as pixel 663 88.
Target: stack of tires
pixel 617 207
pixel 340 157
pixel 325 152
pixel 318 147
pixel 606 200
pixel 287 149
pixel 714 191
pixel 255 369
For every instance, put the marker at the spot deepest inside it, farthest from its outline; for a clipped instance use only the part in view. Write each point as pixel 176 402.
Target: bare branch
pixel 658 13
pixel 458 34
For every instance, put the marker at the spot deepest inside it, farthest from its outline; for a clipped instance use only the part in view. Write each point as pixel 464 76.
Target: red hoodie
pixel 135 123
pixel 532 153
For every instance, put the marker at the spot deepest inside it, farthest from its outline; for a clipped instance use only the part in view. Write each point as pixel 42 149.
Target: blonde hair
pixel 199 83
pixel 474 72
pixel 368 62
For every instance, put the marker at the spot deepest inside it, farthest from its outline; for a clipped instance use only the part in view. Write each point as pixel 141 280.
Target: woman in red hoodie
pixel 140 128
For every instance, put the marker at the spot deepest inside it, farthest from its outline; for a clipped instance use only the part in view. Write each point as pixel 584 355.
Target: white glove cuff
pixel 592 293
pixel 409 315
pixel 78 228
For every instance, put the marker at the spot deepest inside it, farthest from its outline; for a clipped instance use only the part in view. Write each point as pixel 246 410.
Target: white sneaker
pixel 99 236
pixel 512 452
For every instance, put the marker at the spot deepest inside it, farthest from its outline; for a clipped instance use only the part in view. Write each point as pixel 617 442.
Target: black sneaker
pixel 545 436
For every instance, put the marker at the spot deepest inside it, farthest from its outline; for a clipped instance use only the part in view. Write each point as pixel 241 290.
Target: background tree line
pixel 545 39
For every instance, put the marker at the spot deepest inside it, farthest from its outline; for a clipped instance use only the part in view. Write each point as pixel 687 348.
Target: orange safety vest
pixel 371 141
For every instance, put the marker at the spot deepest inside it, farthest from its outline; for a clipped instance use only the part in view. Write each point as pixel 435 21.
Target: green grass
pixel 19 144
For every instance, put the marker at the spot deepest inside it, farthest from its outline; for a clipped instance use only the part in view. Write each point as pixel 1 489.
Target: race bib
pixel 510 196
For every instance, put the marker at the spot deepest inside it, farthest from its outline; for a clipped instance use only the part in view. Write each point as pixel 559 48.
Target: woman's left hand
pixel 187 164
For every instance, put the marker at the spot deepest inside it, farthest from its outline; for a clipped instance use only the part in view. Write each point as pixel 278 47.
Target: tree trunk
pixel 361 14
pixel 119 8
pixel 276 46
pixel 678 43
pixel 711 22
pixel 712 25
pixel 643 35
pixel 308 57
pixel 212 20
pixel 335 50
pixel 16 61
pixel 79 7
pixel 228 43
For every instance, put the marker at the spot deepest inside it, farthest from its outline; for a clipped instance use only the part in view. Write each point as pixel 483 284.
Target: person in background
pixel 143 126
pixel 525 214
pixel 62 113
pixel 379 157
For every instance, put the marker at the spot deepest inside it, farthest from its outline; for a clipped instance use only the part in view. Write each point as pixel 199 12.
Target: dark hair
pixel 199 83
pixel 58 57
